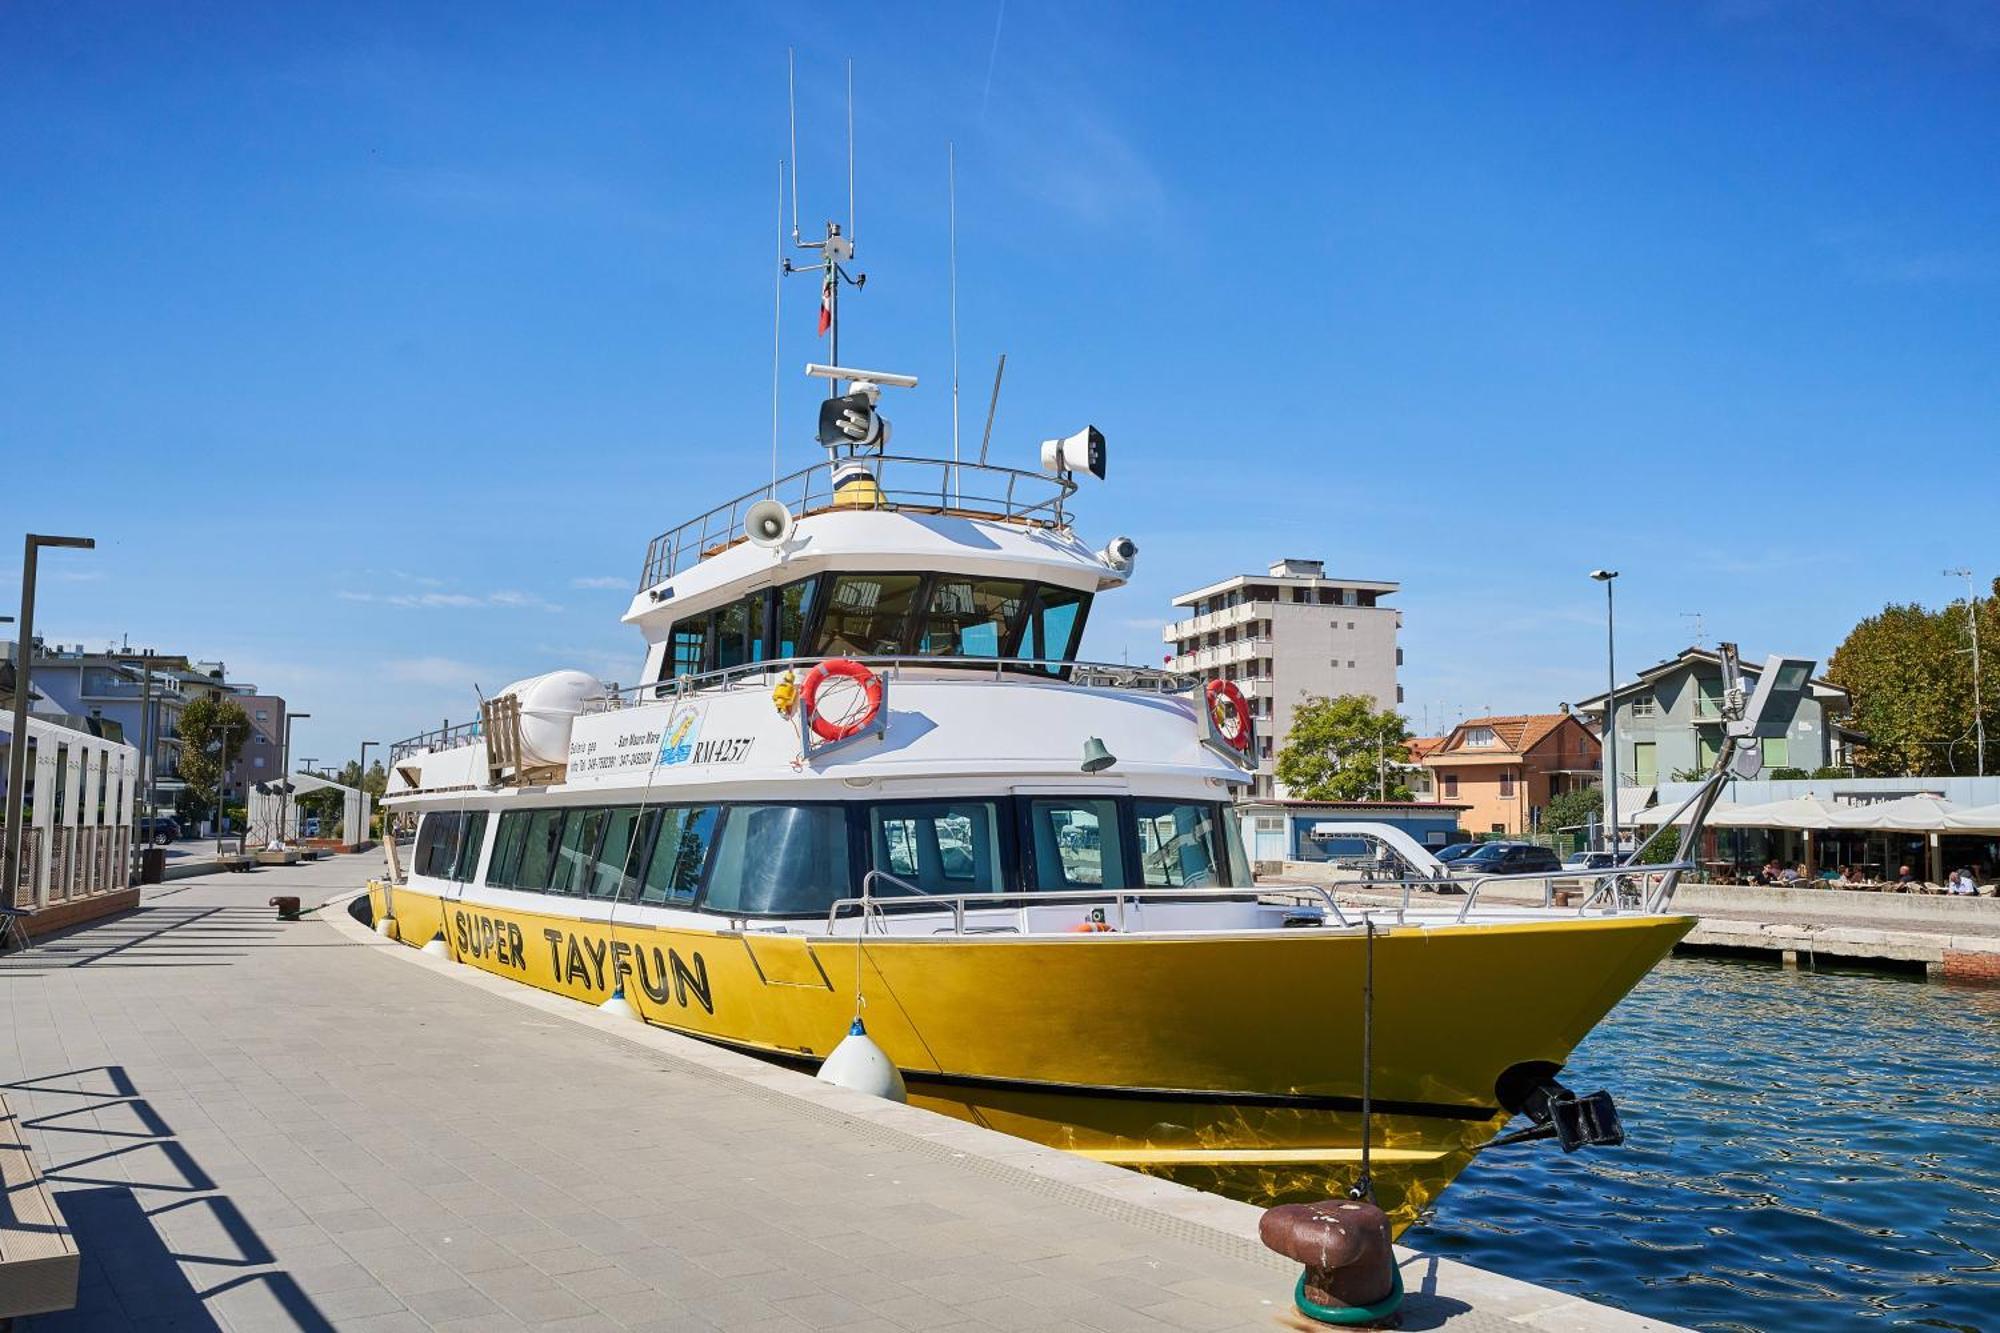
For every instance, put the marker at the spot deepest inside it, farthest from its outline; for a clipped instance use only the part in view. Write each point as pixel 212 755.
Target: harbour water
pixel 1804 1151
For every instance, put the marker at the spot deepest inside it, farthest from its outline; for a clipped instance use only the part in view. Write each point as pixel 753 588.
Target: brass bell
pixel 1095 757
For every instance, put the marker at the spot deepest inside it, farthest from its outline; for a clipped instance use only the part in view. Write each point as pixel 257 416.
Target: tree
pixel 1576 808
pixel 1343 750
pixel 1909 673
pixel 213 730
pixel 1666 847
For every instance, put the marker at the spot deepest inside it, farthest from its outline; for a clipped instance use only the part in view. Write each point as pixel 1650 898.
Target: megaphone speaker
pixel 768 524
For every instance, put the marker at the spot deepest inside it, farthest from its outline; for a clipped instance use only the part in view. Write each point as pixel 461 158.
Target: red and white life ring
pixel 871 689
pixel 1231 713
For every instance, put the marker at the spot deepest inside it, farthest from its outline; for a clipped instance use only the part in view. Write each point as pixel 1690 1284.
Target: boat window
pixel 739 632
pixel 578 850
pixel 1054 624
pixel 471 841
pixel 1076 843
pixel 939 846
pixel 967 617
pixel 795 607
pixel 865 615
pixel 618 858
pixel 780 860
pixel 1181 844
pixel 435 832
pixel 687 646
pixel 538 853
pixel 679 837
pixel 508 844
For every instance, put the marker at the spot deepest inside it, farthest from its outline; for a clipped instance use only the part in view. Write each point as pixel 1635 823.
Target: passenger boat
pixel 865 773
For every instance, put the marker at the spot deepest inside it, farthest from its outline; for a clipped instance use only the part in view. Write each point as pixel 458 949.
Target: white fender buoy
pixel 437 948
pixel 858 1063
pixel 386 928
pixel 618 1006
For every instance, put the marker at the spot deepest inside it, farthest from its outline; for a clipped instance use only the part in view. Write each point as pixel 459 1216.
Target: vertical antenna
pixel 777 323
pixel 951 196
pixel 792 116
pixel 850 150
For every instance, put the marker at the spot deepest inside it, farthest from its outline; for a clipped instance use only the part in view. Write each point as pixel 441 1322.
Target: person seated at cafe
pixel 1787 875
pixel 1961 882
pixel 1904 875
pixel 1769 874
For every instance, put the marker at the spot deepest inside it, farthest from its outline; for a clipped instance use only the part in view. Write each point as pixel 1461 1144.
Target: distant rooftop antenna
pixel 1700 628
pixel 951 203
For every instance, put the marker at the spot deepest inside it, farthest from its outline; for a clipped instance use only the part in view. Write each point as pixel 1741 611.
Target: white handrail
pixel 958 902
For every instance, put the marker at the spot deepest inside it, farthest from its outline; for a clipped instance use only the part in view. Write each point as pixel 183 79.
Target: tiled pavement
pixel 252 1124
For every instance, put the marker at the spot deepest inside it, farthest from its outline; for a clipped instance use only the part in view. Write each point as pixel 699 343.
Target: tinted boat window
pixel 737 626
pixel 577 855
pixel 687 648
pixel 1053 625
pixel 1076 843
pixel 1180 844
pixel 968 617
pixel 795 606
pixel 941 847
pixel 434 844
pixel 471 841
pixel 508 841
pixel 679 837
pixel 780 860
pixel 865 615
pixel 618 857
pixel 538 854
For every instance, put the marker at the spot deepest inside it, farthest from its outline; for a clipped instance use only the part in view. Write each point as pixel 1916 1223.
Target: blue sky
pixel 372 343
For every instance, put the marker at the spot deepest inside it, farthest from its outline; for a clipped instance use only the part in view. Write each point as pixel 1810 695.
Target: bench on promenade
pixel 267 857
pixel 38 1258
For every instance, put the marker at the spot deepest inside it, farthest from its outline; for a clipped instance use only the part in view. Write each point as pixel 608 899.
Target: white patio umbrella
pixel 1658 815
pixel 1798 813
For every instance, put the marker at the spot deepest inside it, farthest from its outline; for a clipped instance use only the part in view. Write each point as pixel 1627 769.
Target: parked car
pixel 1506 858
pixel 1458 851
pixel 159 829
pixel 1595 860
pixel 310 828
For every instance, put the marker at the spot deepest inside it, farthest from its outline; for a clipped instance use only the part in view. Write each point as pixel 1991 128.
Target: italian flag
pixel 826 302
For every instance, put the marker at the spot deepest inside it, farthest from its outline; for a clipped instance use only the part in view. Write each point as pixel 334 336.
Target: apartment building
pixel 1286 636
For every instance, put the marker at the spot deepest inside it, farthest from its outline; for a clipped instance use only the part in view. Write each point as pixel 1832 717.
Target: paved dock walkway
pixel 252 1124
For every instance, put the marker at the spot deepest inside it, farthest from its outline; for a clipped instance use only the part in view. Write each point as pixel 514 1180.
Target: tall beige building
pixel 1286 636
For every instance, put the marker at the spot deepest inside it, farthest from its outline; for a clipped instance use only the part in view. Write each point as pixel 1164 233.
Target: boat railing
pixel 1647 889
pixel 1011 670
pixel 871 906
pixel 926 485
pixel 447 737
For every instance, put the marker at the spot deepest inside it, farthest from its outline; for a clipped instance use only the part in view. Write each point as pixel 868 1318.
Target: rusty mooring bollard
pixel 288 908
pixel 1350 1273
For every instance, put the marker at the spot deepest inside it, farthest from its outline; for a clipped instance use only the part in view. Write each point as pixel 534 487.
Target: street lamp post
pixel 17 747
pixel 1605 576
pixel 1972 620
pixel 361 785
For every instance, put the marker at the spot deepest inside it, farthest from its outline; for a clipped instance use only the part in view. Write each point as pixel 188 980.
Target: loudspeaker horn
pixel 768 524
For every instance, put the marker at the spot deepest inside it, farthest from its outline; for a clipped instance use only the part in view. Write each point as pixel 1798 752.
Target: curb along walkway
pixel 253 1124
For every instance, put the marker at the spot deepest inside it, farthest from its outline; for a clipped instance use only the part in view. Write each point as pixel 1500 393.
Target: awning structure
pixel 273 813
pixel 1816 814
pixel 1974 819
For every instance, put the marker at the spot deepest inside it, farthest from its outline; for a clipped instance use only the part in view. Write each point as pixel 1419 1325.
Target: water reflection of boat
pixel 865 768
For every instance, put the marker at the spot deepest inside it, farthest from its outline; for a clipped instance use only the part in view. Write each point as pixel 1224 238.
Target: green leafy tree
pixel 1665 848
pixel 1909 672
pixel 1574 809
pixel 213 730
pixel 1342 750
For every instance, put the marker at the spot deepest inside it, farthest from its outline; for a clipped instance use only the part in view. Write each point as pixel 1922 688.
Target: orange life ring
pixel 871 687
pixel 1233 722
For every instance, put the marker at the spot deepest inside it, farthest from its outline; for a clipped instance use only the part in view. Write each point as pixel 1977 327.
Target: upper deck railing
pixel 925 485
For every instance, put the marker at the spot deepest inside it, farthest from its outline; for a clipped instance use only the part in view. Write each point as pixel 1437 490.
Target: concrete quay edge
pixel 1164 1206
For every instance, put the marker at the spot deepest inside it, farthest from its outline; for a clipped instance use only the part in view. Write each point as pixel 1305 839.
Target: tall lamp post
pixel 1972 621
pixel 17 747
pixel 1606 576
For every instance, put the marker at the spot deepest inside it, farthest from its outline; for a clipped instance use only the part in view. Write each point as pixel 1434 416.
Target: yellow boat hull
pixel 1228 1061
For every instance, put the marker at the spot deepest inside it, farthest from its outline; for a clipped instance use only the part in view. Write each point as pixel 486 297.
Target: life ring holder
pixel 818 733
pixel 1238 741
